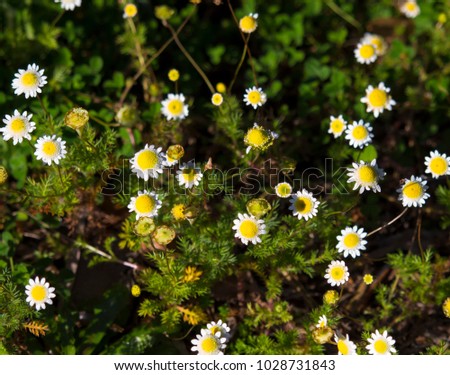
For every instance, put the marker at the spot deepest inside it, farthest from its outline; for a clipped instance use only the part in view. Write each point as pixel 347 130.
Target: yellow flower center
pixel 254 97
pixel 378 42
pixel 380 346
pixel 256 137
pixel 175 107
pixel 337 273
pixel 49 148
pixel 130 10
pixel 367 174
pixel 144 204
pixel 209 345
pixel 18 125
pixel 360 132
pixel 38 293
pixel 189 174
pixel 411 6
pixel 284 190
pixel 438 165
pixel 29 79
pixel 446 307
pixel 249 229
pixel 147 159
pixel 178 211
pixel 377 98
pixel 351 240
pixel 217 99
pixel 343 347
pixel 413 190
pixel 248 24
pixel 337 126
pixel 303 205
pixel 215 329
pixel 367 51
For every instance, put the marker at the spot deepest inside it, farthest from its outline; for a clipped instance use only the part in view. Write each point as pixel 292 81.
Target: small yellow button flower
pixel 220 87
pixel 446 307
pixel 135 290
pixel 249 23
pixel 217 99
pixel 368 279
pixel 174 75
pixel 129 11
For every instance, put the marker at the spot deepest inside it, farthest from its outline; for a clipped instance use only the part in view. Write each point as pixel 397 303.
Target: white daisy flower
pixel 337 125
pixel 39 293
pixel 217 99
pixel 412 192
pixel 410 9
pixel 366 176
pixel 18 126
pixel 377 41
pixel 168 161
pixel 303 205
pixel 255 97
pixel 129 11
pixel 50 149
pixel 69 4
pixel 248 228
pixel 345 346
pixel 221 327
pixel 437 164
pixel 283 190
pixel 359 134
pixel 381 344
pixel 29 81
pixel 147 162
pixel 365 53
pixel 322 322
pixel 189 175
pixel 337 273
pixel 174 107
pixel 208 344
pixel 378 99
pixel 351 241
pixel 249 23
pixel 146 204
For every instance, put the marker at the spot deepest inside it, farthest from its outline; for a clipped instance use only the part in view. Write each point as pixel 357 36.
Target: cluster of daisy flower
pixel 18 126
pixel 378 343
pixel 369 48
pixel 212 340
pixel 149 163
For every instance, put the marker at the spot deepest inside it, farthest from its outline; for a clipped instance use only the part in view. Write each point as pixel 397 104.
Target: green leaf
pixel 367 155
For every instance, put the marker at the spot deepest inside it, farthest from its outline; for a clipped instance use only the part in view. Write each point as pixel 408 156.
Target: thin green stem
pixel 48 116
pixel 141 71
pixel 238 68
pixel 94 250
pixel 389 223
pixel 189 57
pixel 250 57
pixel 419 235
pixel 58 168
pixel 345 16
pixel 57 18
